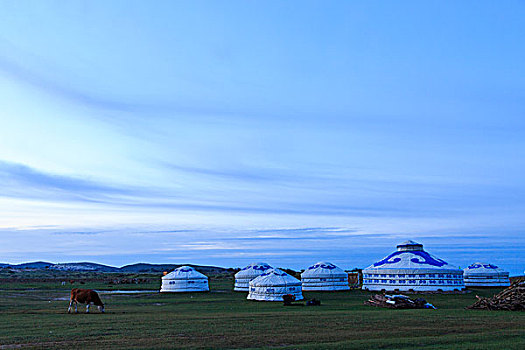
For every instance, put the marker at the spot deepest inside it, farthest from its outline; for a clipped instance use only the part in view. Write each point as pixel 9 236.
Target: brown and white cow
pixel 85 296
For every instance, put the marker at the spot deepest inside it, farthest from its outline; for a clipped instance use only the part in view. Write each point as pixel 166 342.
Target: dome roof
pixel 253 270
pixel 409 246
pixel 323 269
pixel 483 268
pixel 184 273
pixel 411 256
pixel 274 277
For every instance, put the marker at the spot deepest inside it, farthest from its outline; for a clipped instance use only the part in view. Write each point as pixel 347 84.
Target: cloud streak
pixel 314 195
pixel 57 82
pixel 53 87
pixel 22 181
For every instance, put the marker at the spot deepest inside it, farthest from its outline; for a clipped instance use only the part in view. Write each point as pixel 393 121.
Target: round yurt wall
pixel 272 285
pixel 485 275
pixel 184 279
pixel 324 276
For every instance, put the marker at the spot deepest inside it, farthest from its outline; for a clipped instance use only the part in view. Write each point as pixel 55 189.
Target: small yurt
pixel 485 275
pixel 412 268
pixel 243 277
pixel 184 279
pixel 272 285
pixel 324 276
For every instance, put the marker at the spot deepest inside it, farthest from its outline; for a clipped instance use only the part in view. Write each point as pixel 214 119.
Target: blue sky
pixel 287 132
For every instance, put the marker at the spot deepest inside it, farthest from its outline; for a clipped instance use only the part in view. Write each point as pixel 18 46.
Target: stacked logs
pixel 511 298
pixel 398 302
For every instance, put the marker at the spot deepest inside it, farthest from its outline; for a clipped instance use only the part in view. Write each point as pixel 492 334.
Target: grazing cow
pixel 85 296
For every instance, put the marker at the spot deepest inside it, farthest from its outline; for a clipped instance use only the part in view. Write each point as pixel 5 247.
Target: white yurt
pixel 273 284
pixel 485 275
pixel 243 277
pixel 324 276
pixel 184 279
pixel 412 268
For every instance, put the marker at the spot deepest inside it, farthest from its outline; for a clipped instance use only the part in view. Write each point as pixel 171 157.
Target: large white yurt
pixel 324 276
pixel 184 279
pixel 273 284
pixel 485 275
pixel 243 277
pixel 412 268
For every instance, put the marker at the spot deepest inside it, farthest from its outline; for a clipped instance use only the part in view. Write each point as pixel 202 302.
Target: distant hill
pixel 144 267
pixel 84 266
pixel 33 265
pixel 134 268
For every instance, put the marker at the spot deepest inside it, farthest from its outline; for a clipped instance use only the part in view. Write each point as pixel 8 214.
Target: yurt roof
pixel 254 269
pixel 411 256
pixel 323 269
pixel 274 277
pixel 409 246
pixel 184 272
pixel 483 268
pixel 410 242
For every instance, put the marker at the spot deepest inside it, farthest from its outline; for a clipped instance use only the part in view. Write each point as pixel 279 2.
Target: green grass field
pixel 33 315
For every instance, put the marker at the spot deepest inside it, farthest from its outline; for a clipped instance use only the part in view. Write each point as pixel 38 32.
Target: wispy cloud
pixel 231 174
pixel 23 181
pixel 315 196
pixel 63 91
pixel 297 234
pixel 52 79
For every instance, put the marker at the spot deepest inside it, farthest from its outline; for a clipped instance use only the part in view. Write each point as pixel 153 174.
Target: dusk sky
pixel 224 133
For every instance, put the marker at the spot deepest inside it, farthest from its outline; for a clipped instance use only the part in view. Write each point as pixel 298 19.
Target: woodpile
pixel 511 298
pixel 398 302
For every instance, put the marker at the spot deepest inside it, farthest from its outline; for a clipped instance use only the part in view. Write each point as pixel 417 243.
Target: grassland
pixel 33 315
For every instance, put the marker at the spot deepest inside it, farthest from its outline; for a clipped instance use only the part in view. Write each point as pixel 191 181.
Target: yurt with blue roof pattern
pixel 324 276
pixel 411 268
pixel 243 277
pixel 485 275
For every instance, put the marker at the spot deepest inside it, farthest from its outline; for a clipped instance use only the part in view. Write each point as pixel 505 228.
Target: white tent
pixel 243 277
pixel 273 284
pixel 412 268
pixel 184 279
pixel 485 275
pixel 324 276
